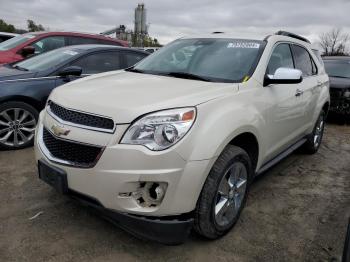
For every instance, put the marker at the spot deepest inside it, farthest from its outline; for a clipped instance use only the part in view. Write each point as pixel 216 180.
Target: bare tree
pixel 334 42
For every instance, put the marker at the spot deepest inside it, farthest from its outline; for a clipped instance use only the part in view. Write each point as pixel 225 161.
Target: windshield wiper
pixel 188 76
pixel 20 68
pixel 133 69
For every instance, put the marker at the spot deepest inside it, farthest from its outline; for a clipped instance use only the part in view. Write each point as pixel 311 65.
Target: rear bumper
pixel 172 230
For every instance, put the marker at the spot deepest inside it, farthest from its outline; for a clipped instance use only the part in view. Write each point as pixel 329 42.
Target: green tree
pixel 4 27
pixel 33 27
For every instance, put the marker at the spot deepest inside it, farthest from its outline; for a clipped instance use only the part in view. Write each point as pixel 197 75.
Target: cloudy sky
pixel 170 19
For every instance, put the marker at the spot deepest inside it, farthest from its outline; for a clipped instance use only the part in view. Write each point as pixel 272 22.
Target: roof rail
pixel 285 33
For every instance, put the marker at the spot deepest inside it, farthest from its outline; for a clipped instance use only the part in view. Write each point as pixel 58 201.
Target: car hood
pixel 339 82
pixel 125 95
pixel 7 73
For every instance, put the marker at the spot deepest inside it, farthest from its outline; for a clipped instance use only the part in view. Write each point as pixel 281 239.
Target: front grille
pixel 76 154
pixel 81 118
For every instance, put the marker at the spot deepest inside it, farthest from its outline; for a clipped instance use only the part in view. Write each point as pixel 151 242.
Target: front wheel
pixel 17 125
pixel 314 140
pixel 224 193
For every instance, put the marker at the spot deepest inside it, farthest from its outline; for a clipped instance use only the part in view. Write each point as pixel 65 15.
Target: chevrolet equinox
pixel 174 142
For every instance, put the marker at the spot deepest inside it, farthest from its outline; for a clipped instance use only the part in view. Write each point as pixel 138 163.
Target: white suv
pixel 174 142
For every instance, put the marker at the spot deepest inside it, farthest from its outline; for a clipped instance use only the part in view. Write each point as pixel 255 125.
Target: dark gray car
pixel 26 85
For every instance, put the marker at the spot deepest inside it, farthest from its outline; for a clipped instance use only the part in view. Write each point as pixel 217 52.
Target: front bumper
pixel 165 230
pixel 121 169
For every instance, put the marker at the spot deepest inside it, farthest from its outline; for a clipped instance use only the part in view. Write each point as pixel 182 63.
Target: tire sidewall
pixel 322 115
pixel 205 223
pixel 27 107
pixel 245 161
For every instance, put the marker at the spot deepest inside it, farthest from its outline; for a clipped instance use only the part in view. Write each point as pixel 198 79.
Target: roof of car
pixel 10 34
pixel 249 36
pixel 336 57
pixel 224 35
pixel 98 36
pixel 95 47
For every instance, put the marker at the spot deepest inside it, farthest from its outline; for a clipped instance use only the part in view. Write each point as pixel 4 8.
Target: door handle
pixel 299 92
pixel 319 83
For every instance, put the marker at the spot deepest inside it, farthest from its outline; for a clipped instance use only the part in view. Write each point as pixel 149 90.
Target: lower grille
pixel 74 153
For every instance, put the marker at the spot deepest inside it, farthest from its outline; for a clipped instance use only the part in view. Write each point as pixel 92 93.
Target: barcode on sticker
pixel 243 45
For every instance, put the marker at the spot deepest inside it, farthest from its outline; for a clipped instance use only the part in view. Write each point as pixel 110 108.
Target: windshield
pixel 210 59
pixel 13 42
pixel 338 68
pixel 47 60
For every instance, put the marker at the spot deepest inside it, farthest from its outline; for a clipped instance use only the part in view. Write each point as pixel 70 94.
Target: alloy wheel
pixel 17 127
pixel 318 131
pixel 230 194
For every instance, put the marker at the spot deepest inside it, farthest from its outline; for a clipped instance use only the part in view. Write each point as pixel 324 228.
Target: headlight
pixel 160 130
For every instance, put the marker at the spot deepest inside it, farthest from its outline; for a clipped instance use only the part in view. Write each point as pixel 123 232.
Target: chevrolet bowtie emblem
pixel 60 130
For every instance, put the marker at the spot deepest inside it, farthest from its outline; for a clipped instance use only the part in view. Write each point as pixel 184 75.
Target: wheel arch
pixel 249 143
pixel 38 105
pixel 326 107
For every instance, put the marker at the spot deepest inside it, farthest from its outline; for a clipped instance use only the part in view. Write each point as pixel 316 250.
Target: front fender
pixel 217 123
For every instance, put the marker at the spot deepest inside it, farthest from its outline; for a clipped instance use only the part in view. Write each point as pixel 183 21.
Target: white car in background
pixel 6 36
pixel 174 142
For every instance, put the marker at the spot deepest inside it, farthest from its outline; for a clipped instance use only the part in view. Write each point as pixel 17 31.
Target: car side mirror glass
pixel 284 75
pixel 70 71
pixel 27 51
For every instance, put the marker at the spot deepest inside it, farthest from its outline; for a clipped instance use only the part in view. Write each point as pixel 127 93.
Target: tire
pixel 17 119
pixel 314 140
pixel 211 221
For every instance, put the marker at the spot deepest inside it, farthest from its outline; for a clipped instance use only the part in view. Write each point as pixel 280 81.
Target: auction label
pixel 243 45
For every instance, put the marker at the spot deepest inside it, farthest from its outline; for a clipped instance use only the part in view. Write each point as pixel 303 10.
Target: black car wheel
pixel 314 140
pixel 224 193
pixel 17 125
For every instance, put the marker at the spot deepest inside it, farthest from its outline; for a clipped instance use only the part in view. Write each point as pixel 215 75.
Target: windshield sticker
pixel 70 52
pixel 243 45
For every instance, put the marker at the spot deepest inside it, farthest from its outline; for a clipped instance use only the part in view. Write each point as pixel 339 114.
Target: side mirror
pixel 27 51
pixel 284 75
pixel 70 71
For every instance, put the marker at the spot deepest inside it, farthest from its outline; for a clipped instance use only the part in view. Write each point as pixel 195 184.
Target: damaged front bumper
pixel 172 230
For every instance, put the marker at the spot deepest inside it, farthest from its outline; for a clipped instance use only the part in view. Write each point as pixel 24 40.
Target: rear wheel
pixel 224 193
pixel 314 140
pixel 17 125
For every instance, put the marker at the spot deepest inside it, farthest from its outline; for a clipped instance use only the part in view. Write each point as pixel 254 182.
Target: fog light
pixel 150 194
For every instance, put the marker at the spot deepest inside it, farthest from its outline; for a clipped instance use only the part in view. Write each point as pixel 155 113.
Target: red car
pixel 22 46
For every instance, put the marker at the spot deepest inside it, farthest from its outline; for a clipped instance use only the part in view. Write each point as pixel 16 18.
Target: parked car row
pixel 22 46
pixel 26 85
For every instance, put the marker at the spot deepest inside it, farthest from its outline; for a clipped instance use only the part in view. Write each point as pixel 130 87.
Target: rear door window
pixel 106 42
pixel 77 40
pixel 48 43
pixel 303 60
pixel 131 58
pixel 99 62
pixel 4 38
